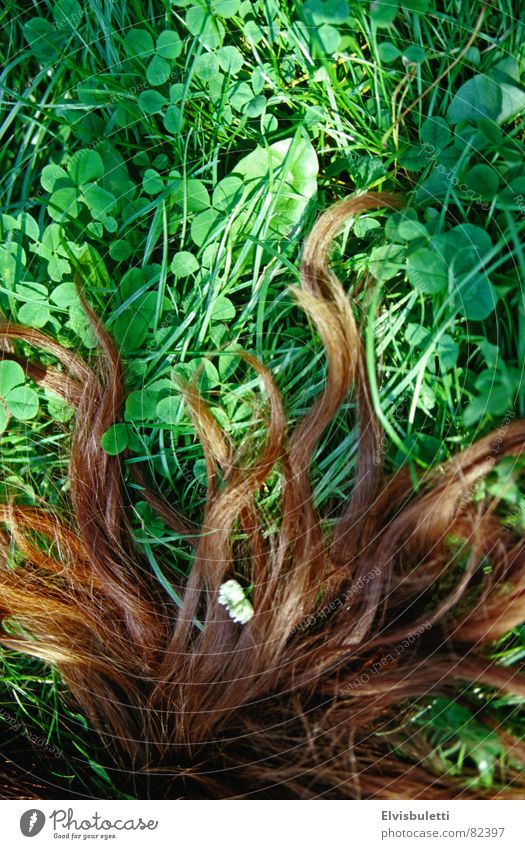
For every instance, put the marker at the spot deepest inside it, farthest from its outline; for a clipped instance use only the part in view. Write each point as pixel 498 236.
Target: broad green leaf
pixel 50 175
pixel 183 264
pixel 168 410
pixel 151 101
pixel 140 405
pixel 11 375
pixel 22 402
pixel 100 202
pixel 475 294
pixel 203 225
pixel 223 309
pixel 120 250
pixel 44 41
pixel 169 45
pixel 492 95
pixel 172 119
pixel 386 261
pixel 482 180
pixel 427 271
pixel 115 439
pixel 158 71
pixel 85 166
pixel 383 12
pixel 230 60
pixel 139 43
pixel 327 11
pixel 287 170
pixel 436 132
pixel 225 8
pixel 205 27
pixel 388 52
pixel 34 314
pixel 63 204
pixel 191 192
pixel 152 182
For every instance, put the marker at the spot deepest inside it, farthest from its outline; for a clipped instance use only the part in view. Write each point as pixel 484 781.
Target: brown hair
pixel 350 626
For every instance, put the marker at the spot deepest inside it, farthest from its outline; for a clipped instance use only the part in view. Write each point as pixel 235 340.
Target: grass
pixel 180 175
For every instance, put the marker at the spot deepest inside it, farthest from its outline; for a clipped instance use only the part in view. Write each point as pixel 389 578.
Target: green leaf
pixel 85 166
pixel 115 439
pixel 230 60
pixel 50 175
pixel 34 314
pixel 388 52
pixel 435 131
pixel 158 71
pixel 201 24
pixel 223 309
pixel 100 202
pixel 120 250
pixel 139 43
pixel 183 264
pixel 475 294
pixel 409 230
pixel 169 45
pixel 131 327
pixel 418 6
pixel 203 225
pixel 4 417
pixel 287 170
pixel 227 193
pixel 43 39
pixel 191 192
pixel 67 14
pixel 448 352
pixel 483 180
pixel 140 405
pixel 327 11
pixel 11 375
pixel 427 271
pixel 386 261
pixel 65 295
pixel 494 95
pixel 172 119
pixel 151 101
pixel 152 182
pixel 168 410
pixel 414 54
pixel 63 204
pixel 225 8
pixel 22 402
pixel 206 66
pixel 383 12
pixel 255 106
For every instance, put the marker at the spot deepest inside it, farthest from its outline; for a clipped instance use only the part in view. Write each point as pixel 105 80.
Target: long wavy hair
pixel 351 625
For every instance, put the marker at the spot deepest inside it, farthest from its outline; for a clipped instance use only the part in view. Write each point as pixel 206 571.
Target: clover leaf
pixel 16 399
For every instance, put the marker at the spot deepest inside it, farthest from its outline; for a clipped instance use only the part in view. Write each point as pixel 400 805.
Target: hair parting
pixel 350 626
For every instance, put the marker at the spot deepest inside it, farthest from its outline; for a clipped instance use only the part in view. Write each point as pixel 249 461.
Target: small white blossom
pixel 232 596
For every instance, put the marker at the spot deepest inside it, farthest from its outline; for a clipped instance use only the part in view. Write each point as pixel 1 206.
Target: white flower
pixel 232 596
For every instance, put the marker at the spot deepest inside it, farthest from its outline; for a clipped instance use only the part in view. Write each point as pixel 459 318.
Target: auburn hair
pixel 353 620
